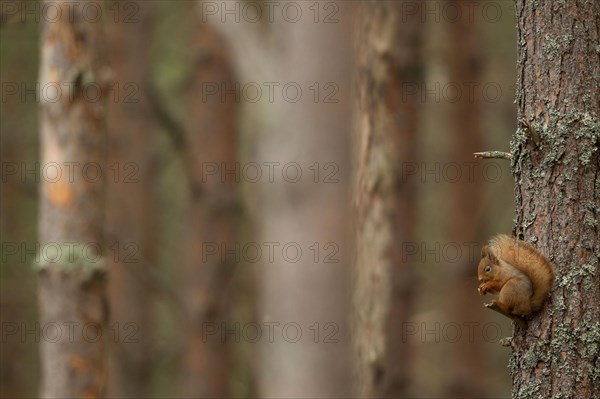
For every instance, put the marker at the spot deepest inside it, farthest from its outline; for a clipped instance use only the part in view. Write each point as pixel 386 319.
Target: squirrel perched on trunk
pixel 518 273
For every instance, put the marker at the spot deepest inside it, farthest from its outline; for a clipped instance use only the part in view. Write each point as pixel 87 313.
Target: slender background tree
pixel 19 64
pixel 388 60
pixel 131 208
pixel 464 60
pixel 213 212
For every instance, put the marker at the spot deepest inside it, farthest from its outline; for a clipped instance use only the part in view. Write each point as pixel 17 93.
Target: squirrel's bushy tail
pixel 526 258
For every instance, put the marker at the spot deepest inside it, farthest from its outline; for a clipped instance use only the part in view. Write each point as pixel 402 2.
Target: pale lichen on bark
pixel 69 258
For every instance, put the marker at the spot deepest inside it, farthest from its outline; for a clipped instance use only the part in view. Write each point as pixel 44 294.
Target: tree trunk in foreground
pixel 388 56
pixel 72 299
pixel 556 166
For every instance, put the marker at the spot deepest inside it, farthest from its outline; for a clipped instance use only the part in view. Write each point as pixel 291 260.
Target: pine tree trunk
pixel 556 166
pixel 72 279
pixel 388 56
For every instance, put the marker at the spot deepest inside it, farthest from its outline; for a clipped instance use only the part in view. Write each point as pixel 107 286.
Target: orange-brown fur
pixel 518 273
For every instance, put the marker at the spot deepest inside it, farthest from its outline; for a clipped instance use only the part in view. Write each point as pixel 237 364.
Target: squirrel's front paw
pixel 492 305
pixel 482 289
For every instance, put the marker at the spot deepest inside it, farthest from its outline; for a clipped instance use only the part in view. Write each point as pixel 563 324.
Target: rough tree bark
pixel 72 275
pixel 213 214
pixel 556 167
pixel 132 232
pixel 388 56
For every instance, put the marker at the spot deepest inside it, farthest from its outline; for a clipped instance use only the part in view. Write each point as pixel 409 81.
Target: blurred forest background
pixel 202 88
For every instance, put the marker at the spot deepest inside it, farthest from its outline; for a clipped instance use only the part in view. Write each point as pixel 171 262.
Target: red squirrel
pixel 518 273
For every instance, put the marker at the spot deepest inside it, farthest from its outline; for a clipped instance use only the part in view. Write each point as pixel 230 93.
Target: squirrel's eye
pixel 488 269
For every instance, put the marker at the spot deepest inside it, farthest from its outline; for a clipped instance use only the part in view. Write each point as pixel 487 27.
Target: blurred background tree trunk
pixel 72 288
pixel 388 58
pixel 132 228
pixel 465 222
pixel 212 216
pixel 18 367
pixel 19 63
pixel 310 288
pixel 556 163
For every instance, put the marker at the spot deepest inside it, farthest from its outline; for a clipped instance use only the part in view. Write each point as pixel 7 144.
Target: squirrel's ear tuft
pixel 486 252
